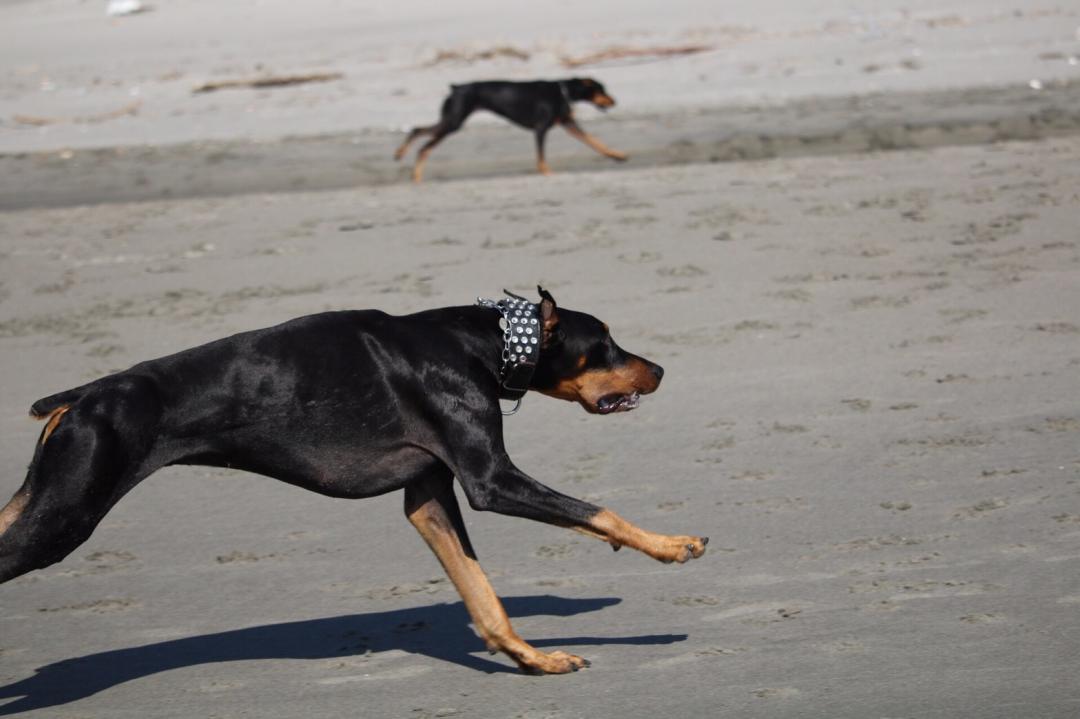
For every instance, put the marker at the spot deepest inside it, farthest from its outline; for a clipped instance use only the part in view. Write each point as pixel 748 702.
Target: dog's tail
pixel 47 406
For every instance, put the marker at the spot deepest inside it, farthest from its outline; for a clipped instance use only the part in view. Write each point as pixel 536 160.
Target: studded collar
pixel 566 97
pixel 522 331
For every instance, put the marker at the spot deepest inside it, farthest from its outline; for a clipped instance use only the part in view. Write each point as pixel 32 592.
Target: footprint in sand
pixel 982 618
pixel 220 685
pixel 901 591
pixel 98 606
pixel 842 646
pixel 981 508
pixel 692 657
pixel 776 692
pixel 759 613
pixel 555 551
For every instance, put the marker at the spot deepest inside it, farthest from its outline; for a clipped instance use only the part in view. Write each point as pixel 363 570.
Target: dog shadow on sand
pixel 439 631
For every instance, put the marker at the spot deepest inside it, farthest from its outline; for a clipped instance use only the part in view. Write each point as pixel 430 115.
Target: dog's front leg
pixel 576 132
pixel 432 508
pixel 508 490
pixel 618 532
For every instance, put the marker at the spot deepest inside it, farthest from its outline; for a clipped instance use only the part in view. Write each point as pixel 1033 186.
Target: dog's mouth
pixel 603 101
pixel 618 403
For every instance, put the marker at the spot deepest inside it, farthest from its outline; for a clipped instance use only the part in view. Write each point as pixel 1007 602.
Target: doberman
pixel 347 404
pixel 536 106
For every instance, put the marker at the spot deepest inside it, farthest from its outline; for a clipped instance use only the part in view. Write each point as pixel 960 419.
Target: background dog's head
pixel 589 90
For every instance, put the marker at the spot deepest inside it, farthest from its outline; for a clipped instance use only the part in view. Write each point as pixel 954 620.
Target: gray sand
pixel 870 407
pixel 870 403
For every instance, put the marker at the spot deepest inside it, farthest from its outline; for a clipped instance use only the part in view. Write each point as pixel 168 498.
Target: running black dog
pixel 536 106
pixel 347 404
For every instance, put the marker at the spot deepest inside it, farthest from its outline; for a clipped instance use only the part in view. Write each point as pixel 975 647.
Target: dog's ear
pixel 549 316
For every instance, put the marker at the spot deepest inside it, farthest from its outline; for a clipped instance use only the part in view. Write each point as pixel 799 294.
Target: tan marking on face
pixel 14 508
pixel 589 386
pixel 53 420
pixel 603 100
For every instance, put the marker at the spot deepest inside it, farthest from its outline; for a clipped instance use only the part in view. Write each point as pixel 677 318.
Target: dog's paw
pixel 693 548
pixel 682 549
pixel 618 156
pixel 556 662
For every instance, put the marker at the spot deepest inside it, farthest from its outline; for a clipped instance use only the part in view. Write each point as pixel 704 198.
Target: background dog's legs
pixel 541 163
pixel 422 156
pixel 508 490
pixel 413 134
pixel 455 110
pixel 432 508
pixel 575 131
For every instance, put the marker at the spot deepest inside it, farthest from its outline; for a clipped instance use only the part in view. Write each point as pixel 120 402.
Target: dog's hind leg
pixel 455 110
pixel 85 461
pixel 421 157
pixel 433 509
pixel 413 134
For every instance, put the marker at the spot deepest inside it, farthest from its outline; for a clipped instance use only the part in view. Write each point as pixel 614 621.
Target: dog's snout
pixel 658 372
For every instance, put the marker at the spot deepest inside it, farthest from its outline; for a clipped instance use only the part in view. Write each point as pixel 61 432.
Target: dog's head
pixel 580 362
pixel 590 90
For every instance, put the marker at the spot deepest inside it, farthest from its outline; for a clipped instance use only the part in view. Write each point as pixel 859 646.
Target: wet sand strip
pixel 806 127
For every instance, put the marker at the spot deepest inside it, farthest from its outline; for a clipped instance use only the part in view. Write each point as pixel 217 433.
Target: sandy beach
pixel 870 402
pixel 73 78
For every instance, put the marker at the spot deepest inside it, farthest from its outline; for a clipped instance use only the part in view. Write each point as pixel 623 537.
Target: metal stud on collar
pixel 522 332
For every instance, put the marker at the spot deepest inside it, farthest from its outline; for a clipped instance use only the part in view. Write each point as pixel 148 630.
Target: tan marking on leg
pixel 402 149
pixel 418 168
pixel 615 530
pixel 13 509
pixel 597 535
pixel 53 420
pixel 541 163
pixel 483 604
pixel 422 156
pixel 592 142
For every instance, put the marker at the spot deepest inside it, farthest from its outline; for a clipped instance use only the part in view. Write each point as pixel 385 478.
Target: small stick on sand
pixel 268 81
pixel 622 52
pixel 468 57
pixel 37 121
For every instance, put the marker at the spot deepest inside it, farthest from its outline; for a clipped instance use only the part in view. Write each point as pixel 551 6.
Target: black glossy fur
pixel 537 106
pixel 347 404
